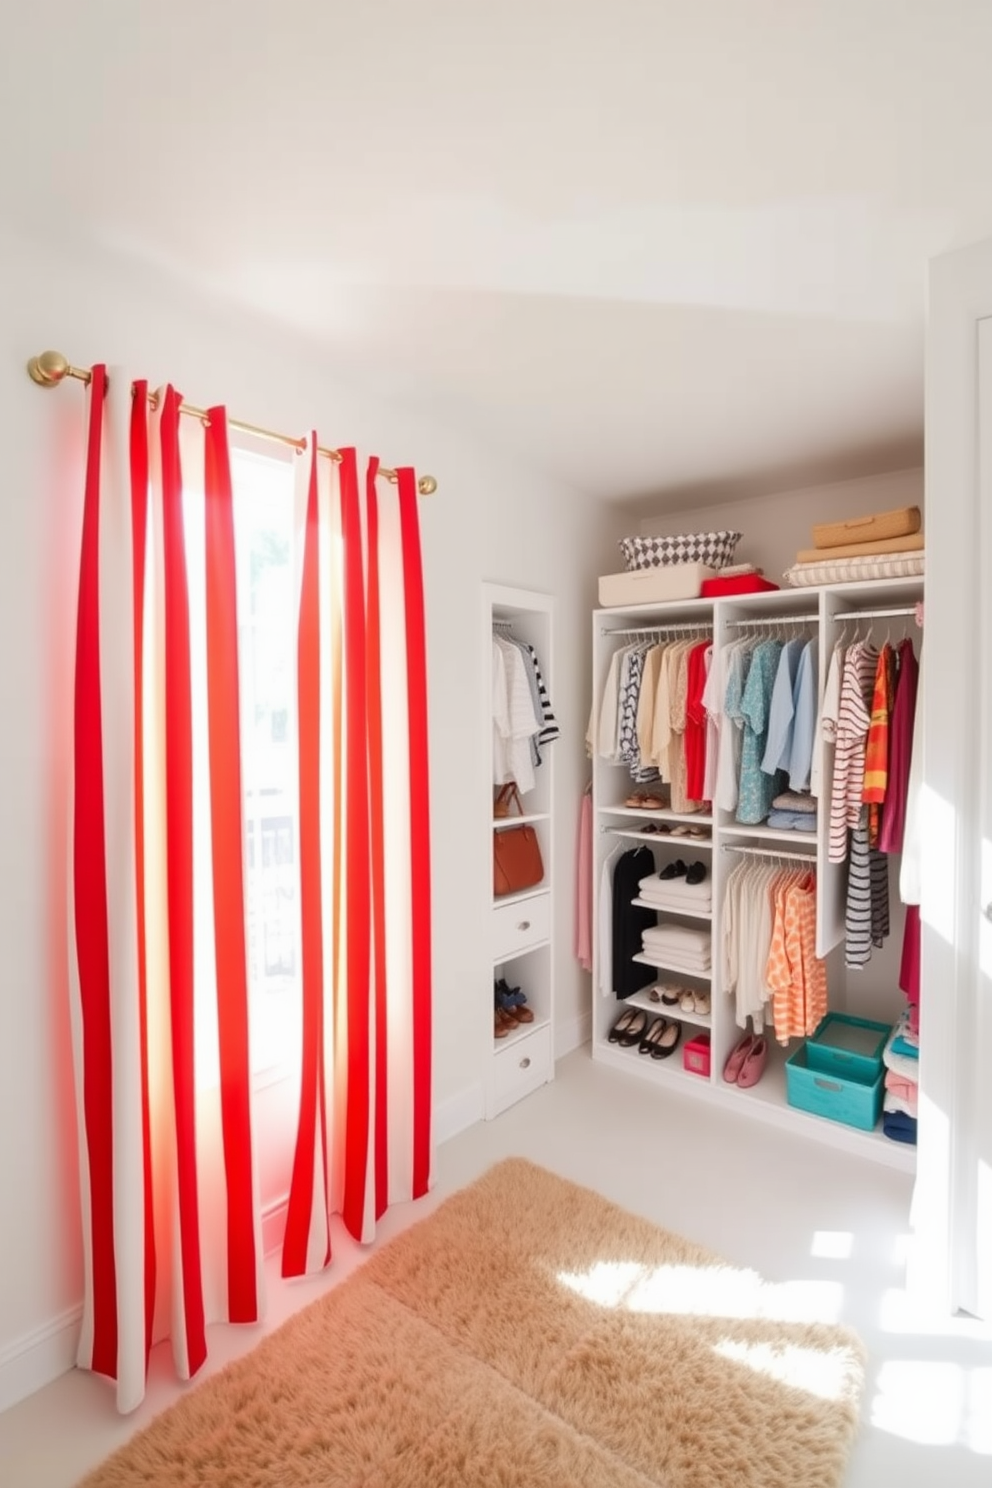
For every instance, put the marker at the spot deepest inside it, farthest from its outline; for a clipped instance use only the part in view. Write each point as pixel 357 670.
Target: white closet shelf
pixel 500 823
pixel 772 834
pixel 661 1071
pixel 534 893
pixel 686 914
pixel 697 818
pixel 639 835
pixel 682 971
pixel 661 1010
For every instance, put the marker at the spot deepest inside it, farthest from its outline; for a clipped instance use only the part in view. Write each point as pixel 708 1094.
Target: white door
pixel 952 1258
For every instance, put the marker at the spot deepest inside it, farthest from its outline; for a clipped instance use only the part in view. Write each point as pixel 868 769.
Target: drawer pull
pixel 524 925
pixel 525 1062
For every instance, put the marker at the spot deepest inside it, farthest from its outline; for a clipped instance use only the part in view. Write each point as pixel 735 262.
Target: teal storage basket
pixel 837 1097
pixel 849 1047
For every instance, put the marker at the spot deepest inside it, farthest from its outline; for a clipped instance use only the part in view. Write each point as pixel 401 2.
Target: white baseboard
pixel 458 1113
pixel 274 1225
pixel 39 1357
pixel 573 1034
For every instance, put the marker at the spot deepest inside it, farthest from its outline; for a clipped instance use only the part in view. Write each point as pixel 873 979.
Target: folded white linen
pixel 678 963
pixel 677 886
pixel 685 937
pixel 658 900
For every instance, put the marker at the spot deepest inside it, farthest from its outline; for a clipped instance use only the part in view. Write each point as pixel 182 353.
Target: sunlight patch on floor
pixel 823 1373
pixel 705 1291
pixel 935 1403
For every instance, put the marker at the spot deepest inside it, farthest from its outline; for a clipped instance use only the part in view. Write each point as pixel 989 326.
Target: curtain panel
pixel 159 988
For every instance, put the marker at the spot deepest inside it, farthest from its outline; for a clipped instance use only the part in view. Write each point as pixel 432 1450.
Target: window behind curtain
pixel 263 518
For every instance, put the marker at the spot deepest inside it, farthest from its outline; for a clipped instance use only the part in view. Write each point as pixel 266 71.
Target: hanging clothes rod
pixel 774 620
pixel 856 615
pixel 661 629
pixel 503 625
pixel 51 368
pixel 767 852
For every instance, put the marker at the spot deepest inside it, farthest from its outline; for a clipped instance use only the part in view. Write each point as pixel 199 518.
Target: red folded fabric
pixel 741 584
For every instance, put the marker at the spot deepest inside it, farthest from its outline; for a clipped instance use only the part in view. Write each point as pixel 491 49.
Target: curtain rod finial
pixel 49 369
pixel 427 485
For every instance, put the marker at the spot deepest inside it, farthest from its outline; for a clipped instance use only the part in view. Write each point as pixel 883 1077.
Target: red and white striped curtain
pixel 158 969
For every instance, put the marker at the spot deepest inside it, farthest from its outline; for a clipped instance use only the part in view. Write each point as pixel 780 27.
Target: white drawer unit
pixel 520 925
pixel 521 1067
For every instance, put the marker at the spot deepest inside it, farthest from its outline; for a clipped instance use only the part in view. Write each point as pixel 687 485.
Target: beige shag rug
pixel 526 1333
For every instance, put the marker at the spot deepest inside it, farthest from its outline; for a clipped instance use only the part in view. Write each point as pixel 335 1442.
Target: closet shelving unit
pixel 823 612
pixel 520 928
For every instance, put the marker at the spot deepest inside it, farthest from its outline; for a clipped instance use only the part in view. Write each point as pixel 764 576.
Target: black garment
pixel 630 921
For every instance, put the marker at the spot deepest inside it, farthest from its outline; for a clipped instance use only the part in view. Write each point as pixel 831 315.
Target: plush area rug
pixel 526 1333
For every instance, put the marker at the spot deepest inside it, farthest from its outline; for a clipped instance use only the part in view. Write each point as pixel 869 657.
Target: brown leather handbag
pixel 517 861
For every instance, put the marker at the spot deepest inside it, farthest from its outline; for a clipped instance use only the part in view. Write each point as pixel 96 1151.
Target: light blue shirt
pixel 779 743
pixel 804 692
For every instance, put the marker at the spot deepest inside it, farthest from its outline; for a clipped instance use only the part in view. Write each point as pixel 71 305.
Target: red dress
pixel 695 723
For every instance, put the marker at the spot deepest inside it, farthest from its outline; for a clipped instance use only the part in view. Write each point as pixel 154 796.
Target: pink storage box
pixel 696 1055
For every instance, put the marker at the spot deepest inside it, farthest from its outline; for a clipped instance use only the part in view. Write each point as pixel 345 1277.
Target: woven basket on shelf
pixel 715 549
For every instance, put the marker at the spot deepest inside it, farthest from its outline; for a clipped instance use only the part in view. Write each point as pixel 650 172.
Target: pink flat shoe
pixel 736 1058
pixel 754 1064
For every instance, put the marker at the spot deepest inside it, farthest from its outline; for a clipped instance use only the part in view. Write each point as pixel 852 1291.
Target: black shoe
pixel 695 873
pixel 634 1031
pixel 651 1037
pixel 667 1042
pixel 674 870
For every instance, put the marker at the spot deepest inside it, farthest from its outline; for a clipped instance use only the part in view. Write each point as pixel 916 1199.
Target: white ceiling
pixel 657 246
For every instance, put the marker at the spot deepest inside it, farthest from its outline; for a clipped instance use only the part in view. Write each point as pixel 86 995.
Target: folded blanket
pixel 678 963
pixel 652 890
pixel 679 937
pixel 795 801
pixel 896 1103
pixel 793 821
pixel 899 1127
pixel 906 1065
pixel 905 1089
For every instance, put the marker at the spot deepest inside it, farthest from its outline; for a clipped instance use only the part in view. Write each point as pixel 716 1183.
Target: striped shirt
pixel 853 722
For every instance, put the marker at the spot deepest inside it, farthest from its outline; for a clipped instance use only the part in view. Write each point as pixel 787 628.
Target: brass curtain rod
pixel 51 368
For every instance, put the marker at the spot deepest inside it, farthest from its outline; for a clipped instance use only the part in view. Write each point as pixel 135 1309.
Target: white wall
pixel 489 520
pixel 775 528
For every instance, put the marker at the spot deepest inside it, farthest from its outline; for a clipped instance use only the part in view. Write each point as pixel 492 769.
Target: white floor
pixel 832 1227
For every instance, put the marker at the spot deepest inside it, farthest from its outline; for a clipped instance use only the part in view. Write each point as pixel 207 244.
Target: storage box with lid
pixel 696 1055
pixel 653 585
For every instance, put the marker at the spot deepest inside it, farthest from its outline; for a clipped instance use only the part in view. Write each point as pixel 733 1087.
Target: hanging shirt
pixel 713 690
pixel 514 719
pixel 911 868
pixel 695 723
pixel 877 743
pixel 800 761
pixel 607 731
pixel 757 790
pixel 737 662
pixel 867 913
pixel 846 806
pixel 904 712
pixel 646 702
pixel 778 745
pixel 796 975
pixel 826 723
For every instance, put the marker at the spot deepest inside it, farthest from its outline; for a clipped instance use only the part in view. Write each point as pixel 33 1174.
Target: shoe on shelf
pixel 651 1037
pixel 695 873
pixel 674 870
pixel 503 1023
pixel 703 1004
pixel 687 1002
pixel 622 1024
pixel 668 1041
pixel 753 1067
pixel 671 996
pixel 634 1031
pixel 736 1058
